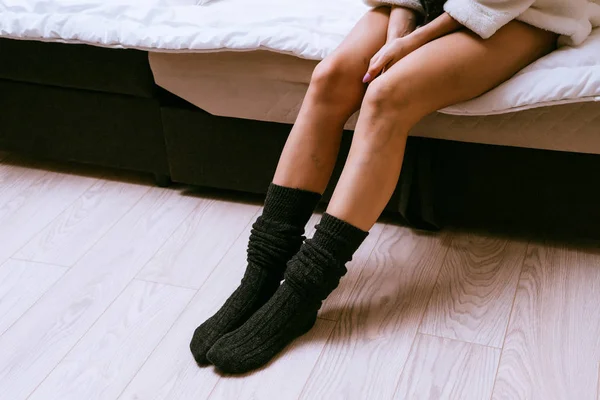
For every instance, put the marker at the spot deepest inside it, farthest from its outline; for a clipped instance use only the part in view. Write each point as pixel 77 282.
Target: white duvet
pixel 308 28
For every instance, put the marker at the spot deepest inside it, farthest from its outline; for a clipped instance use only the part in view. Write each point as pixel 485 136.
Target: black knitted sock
pixel 276 236
pixel 312 274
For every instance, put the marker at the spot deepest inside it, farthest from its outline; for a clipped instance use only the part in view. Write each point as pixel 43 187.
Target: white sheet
pixel 308 28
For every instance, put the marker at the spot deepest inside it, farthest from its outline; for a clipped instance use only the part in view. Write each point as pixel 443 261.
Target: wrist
pixel 404 13
pixel 399 32
pixel 420 35
pixel 410 42
pixel 441 26
pixel 403 21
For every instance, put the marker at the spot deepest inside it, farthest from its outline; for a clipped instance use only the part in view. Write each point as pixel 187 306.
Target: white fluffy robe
pixel 573 19
pixel 412 4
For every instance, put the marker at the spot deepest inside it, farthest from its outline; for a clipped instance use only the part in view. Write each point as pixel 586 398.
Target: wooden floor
pixel 103 278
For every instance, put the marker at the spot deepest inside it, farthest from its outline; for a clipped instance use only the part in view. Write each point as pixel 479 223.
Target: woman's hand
pixel 389 55
pixel 403 22
pixel 396 49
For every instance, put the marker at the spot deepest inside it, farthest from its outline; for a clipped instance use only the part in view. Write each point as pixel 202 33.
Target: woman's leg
pixel 451 69
pixel 335 93
pixel 454 68
pixel 305 167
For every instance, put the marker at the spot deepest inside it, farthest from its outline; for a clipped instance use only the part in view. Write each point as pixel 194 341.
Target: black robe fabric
pixel 433 9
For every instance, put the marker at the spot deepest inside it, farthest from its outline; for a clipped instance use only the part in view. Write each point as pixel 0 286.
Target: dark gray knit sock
pixel 276 236
pixel 311 275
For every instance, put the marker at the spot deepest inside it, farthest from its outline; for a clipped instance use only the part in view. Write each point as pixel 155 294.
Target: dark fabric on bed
pixel 85 126
pixel 77 66
pixel 516 190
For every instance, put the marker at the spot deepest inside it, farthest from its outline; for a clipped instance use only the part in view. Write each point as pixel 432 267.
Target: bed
pixel 246 66
pixel 253 60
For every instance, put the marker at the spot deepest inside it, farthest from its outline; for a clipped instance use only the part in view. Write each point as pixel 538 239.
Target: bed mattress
pixel 266 86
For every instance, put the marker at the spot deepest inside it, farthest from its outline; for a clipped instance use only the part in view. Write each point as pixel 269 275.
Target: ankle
pixel 289 205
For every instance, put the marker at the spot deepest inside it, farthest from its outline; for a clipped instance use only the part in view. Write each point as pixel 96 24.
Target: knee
pixel 331 74
pixel 333 81
pixel 387 114
pixel 386 97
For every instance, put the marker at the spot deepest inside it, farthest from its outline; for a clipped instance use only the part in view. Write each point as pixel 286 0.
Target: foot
pixel 256 289
pixel 275 237
pixel 286 316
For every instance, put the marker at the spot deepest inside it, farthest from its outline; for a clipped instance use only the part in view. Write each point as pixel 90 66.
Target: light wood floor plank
pixel 36 206
pixel 552 346
pixel 22 283
pixel 33 346
pixel 474 293
pixel 110 354
pixel 171 372
pixel 15 177
pixel 371 342
pixel 444 369
pixel 92 331
pixel 74 231
pixel 17 173
pixel 276 380
pixel 190 255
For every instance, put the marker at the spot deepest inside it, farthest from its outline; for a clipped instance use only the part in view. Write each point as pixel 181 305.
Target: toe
pixel 199 347
pixel 221 358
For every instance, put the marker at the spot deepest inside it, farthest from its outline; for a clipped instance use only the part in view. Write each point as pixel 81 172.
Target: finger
pixel 391 63
pixel 373 61
pixel 376 67
pixel 376 57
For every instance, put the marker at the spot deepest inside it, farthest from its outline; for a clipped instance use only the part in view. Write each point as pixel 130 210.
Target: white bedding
pixel 308 29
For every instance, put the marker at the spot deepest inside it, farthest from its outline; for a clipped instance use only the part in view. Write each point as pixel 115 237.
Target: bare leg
pixel 454 68
pixel 334 94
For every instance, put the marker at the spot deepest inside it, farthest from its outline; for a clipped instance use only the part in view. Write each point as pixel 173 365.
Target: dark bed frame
pixel 100 106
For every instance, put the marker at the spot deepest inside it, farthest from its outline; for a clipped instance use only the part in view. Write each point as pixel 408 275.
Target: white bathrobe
pixel 572 19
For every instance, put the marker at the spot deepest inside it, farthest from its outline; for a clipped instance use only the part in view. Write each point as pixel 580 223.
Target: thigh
pixel 366 38
pixel 461 66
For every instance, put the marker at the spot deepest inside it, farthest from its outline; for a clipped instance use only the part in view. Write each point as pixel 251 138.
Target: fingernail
pixel 367 78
